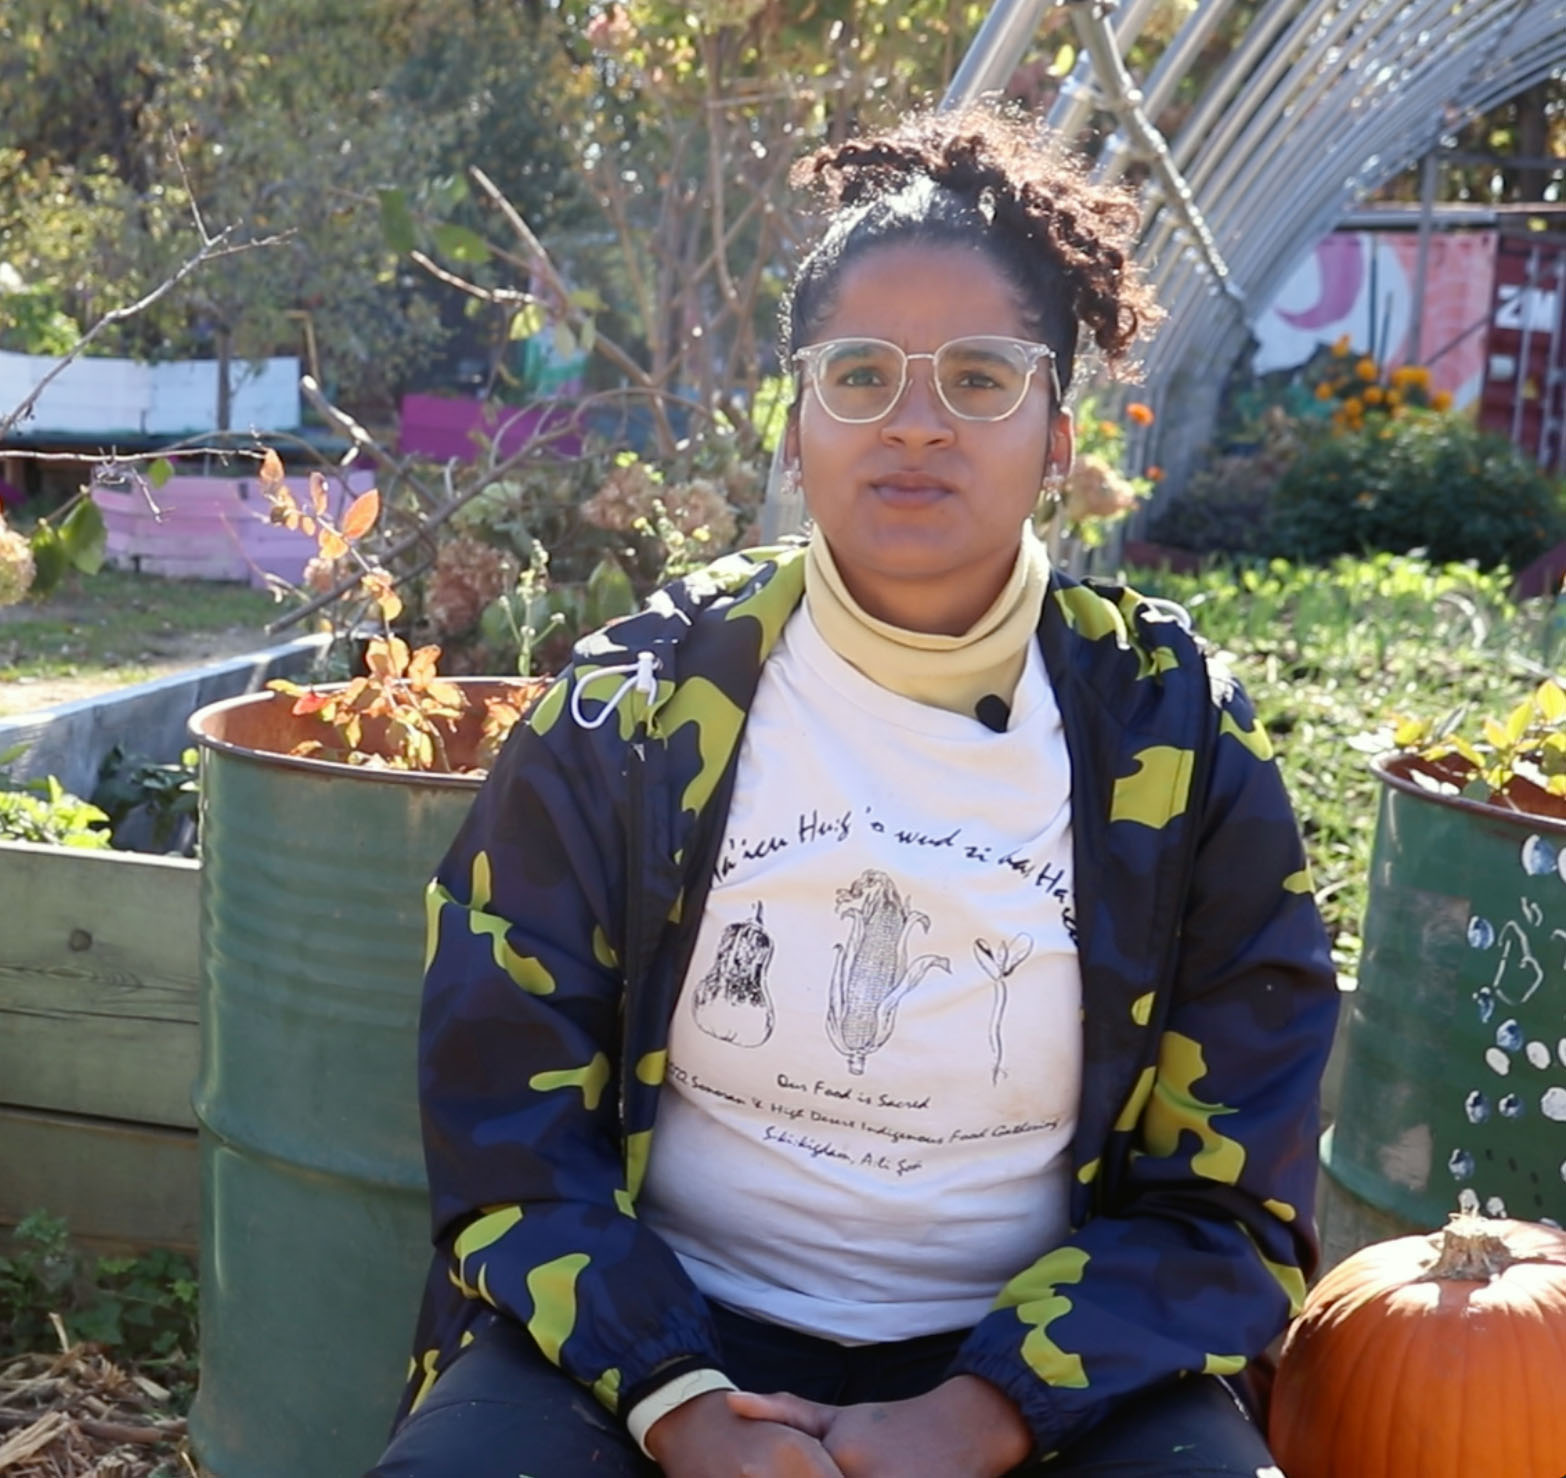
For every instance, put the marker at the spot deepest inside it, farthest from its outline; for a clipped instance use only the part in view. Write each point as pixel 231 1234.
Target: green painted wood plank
pixel 99 971
pixel 124 1183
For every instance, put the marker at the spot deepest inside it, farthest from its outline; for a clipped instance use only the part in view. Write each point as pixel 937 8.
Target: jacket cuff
pixel 674 1393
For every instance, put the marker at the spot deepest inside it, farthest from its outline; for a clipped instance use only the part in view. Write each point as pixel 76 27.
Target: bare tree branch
pixel 212 248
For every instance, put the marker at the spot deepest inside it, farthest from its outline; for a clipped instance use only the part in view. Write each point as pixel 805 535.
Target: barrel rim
pixel 198 726
pixel 1381 768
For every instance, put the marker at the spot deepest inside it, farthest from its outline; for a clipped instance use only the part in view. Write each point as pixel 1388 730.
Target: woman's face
pixel 923 510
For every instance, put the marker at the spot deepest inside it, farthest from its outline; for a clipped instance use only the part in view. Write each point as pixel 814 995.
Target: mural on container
pixel 1521 1071
pixel 1361 284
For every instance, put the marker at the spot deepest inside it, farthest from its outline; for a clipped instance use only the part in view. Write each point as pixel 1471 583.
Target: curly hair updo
pixel 979 177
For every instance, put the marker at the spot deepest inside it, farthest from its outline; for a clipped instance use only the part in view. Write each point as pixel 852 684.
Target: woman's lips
pixel 910 490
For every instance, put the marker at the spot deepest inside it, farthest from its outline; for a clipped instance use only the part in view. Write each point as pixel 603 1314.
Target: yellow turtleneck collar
pixel 951 672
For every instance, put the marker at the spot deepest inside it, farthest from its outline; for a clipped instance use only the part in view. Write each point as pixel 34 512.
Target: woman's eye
pixel 862 378
pixel 977 380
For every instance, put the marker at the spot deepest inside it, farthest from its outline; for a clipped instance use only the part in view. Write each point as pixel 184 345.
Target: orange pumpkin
pixel 1442 1356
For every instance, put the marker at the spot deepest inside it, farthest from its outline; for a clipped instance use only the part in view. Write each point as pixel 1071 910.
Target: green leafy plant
pixel 1423 481
pixel 165 797
pixel 72 538
pixel 44 811
pixel 140 1309
pixel 35 1280
pixel 1517 762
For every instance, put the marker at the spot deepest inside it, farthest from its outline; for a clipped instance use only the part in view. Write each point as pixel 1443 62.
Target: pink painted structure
pixel 1329 297
pixel 212 528
pixel 444 427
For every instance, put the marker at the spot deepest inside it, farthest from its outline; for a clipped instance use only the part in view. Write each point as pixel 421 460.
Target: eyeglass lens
pixel 980 379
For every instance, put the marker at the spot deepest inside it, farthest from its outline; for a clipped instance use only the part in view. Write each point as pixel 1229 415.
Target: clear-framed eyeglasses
pixel 984 377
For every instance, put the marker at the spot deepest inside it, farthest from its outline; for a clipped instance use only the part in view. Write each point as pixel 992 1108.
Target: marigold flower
pixel 1341 347
pixel 1441 400
pixel 1141 414
pixel 1353 408
pixel 1394 398
pixel 1155 473
pixel 1326 390
pixel 1367 371
pixel 1374 393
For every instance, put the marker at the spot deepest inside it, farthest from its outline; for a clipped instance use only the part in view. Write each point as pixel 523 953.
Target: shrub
pixel 1223 508
pixel 1422 481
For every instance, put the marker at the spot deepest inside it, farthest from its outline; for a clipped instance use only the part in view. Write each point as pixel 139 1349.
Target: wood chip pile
pixel 78 1415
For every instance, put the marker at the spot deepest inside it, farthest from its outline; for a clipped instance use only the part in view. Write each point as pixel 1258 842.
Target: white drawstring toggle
pixel 642 678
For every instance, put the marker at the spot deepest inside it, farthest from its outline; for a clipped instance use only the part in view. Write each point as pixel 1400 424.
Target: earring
pixel 783 509
pixel 1052 496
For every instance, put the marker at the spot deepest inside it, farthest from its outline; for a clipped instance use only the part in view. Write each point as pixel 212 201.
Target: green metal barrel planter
pixel 1454 1077
pixel 314 1232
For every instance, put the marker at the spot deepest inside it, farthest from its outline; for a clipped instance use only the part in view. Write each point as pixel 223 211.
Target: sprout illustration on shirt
pixel 731 1001
pixel 1000 962
pixel 872 972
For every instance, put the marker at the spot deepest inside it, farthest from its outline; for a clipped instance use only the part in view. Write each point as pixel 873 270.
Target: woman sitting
pixel 876 1005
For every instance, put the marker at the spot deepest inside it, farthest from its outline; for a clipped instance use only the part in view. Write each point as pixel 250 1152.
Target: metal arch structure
pixel 1319 103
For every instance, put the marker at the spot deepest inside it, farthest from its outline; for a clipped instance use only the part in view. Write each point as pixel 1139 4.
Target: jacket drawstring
pixel 642 679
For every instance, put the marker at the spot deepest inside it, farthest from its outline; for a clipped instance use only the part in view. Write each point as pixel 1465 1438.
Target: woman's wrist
pixel 685 1423
pixel 1002 1438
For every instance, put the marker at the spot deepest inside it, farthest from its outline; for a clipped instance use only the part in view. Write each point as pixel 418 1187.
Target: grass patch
pixel 119 625
pixel 1328 654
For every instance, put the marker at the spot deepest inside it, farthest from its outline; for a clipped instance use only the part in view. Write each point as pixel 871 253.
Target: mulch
pixel 76 1414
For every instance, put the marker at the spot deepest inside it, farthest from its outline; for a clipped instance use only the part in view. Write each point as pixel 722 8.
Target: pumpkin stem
pixel 1468 1252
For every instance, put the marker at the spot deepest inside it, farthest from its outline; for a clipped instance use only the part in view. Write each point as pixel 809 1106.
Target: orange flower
pixel 1353 408
pixel 1441 400
pixel 1141 414
pixel 1325 391
pixel 1394 398
pixel 1342 346
pixel 1374 393
pixel 1367 371
pixel 1155 474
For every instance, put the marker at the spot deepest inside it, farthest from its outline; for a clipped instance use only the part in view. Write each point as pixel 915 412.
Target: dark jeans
pixel 503 1410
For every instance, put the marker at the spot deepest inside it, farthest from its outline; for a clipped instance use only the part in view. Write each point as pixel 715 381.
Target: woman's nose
pixel 919 417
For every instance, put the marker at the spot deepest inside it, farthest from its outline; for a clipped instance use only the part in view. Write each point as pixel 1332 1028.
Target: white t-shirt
pixel 875 1060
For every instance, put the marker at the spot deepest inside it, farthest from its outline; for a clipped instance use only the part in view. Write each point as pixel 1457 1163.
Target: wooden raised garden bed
pixel 99 972
pixel 99 1041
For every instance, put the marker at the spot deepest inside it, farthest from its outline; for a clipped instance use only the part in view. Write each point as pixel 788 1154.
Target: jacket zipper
pixel 635 912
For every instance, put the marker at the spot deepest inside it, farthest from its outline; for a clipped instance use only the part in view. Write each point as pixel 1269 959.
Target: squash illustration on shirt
pixel 872 972
pixel 731 1001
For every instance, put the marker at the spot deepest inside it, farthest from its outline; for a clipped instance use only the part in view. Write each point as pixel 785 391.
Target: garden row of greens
pixel 1335 657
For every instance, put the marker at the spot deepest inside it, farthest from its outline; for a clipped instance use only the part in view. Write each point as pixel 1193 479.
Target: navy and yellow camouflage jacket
pixel 564 915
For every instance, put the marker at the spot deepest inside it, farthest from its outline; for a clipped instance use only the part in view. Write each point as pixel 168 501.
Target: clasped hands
pixel 964 1428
